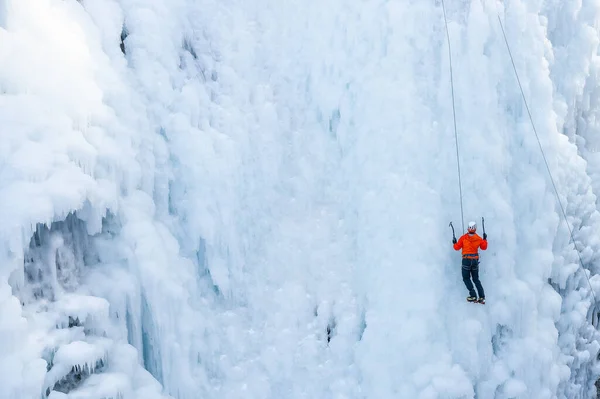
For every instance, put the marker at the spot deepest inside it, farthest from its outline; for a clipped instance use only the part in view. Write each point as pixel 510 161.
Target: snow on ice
pixel 251 199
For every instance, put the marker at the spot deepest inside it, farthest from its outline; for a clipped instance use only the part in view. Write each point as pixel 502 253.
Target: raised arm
pixel 483 243
pixel 459 244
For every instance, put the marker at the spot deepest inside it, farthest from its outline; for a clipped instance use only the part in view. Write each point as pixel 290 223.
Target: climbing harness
pixel 544 156
pixel 462 216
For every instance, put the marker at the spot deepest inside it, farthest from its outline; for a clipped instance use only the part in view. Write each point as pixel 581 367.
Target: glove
pixel 453 240
pixel 484 236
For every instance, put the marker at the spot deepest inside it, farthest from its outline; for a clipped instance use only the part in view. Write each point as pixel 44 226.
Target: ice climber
pixel 470 244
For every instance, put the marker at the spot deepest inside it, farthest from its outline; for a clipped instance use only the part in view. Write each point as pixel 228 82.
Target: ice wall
pixel 251 199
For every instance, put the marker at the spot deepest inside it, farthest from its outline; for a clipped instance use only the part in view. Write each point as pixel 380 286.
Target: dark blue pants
pixel 470 270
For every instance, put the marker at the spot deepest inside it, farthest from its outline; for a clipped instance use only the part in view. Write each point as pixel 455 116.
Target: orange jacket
pixel 470 244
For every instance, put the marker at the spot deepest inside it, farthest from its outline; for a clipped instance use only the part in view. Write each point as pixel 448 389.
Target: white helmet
pixel 472 227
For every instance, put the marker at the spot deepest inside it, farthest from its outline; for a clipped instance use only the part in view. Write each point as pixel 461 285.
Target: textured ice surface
pixel 250 199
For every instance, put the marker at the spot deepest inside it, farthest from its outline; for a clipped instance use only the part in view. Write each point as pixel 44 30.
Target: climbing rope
pixel 544 156
pixel 462 217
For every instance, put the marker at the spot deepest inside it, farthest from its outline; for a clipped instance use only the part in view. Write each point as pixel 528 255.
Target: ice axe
pixel 453 235
pixel 483 226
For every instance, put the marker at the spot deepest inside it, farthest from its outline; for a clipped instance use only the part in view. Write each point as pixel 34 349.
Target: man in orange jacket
pixel 470 244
